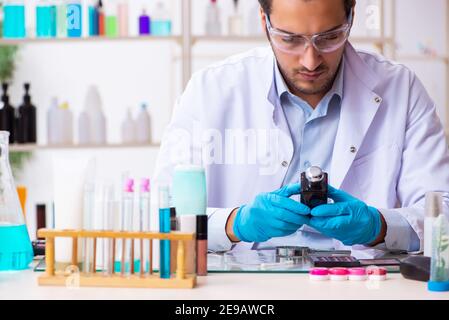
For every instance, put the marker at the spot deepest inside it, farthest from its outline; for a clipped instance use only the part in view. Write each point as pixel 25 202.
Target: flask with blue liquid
pixel 16 252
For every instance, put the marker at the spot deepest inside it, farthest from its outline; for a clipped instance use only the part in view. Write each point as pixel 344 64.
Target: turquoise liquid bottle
pixel 161 24
pixel 16 252
pixel 14 19
pixel 46 19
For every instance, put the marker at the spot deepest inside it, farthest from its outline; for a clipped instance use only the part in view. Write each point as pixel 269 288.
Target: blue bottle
pixel 14 19
pixel 161 23
pixel 74 19
pixel 45 19
pixel 93 21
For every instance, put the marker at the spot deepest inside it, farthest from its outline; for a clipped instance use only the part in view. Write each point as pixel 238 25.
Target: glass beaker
pixel 16 252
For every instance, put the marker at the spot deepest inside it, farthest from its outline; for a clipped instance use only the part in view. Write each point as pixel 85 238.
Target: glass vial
pixel 164 227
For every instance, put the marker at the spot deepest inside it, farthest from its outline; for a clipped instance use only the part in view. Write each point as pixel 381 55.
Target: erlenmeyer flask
pixel 16 252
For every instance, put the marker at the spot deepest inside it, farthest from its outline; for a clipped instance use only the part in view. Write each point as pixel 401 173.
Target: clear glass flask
pixel 16 252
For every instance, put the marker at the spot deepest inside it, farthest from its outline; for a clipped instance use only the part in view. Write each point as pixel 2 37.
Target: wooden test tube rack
pixel 100 279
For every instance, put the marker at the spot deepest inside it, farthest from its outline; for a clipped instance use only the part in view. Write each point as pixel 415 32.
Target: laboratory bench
pixel 229 286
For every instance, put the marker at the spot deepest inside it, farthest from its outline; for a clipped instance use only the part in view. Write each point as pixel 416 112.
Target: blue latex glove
pixel 348 219
pixel 271 215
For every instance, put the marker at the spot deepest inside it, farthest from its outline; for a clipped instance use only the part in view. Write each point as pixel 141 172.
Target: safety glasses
pixel 325 42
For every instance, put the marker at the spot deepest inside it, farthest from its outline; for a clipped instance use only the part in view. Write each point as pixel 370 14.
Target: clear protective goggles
pixel 325 42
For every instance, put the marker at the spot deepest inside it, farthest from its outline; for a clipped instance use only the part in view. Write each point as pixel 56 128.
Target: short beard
pixel 327 85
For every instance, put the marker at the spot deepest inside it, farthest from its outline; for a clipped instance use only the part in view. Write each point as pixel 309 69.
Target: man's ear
pixel 262 19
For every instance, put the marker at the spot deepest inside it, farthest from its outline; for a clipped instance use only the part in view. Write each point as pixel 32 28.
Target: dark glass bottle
pixel 7 115
pixel 26 129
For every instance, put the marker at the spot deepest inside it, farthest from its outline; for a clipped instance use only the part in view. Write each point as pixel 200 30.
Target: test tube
pixel 109 214
pixel 144 223
pixel 439 266
pixel 127 225
pixel 164 227
pixel 88 224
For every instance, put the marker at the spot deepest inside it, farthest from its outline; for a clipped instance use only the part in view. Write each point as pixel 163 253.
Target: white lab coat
pixel 390 147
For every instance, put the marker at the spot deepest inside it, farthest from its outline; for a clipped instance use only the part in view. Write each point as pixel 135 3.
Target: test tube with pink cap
pixel 127 263
pixel 144 224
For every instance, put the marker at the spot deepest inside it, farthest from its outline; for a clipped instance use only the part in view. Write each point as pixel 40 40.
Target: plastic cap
pixel 145 185
pixel 339 271
pixel 129 185
pixel 434 202
pixel 357 271
pixel 438 286
pixel 201 227
pixel 319 271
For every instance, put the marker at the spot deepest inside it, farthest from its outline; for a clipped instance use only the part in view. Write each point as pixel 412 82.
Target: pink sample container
pixel 357 274
pixel 319 274
pixel 338 274
pixel 377 273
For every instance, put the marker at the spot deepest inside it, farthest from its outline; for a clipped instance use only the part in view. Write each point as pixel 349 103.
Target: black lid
pixel 201 227
pixel 27 97
pixel 5 97
pixel 173 221
pixel 172 212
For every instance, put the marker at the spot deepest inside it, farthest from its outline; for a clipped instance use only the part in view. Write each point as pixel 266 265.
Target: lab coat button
pixel 378 100
pixel 284 164
pixel 353 149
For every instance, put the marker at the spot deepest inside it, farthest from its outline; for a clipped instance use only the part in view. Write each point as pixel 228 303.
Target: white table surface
pixel 23 285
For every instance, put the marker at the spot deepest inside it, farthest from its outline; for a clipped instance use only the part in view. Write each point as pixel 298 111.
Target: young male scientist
pixel 261 118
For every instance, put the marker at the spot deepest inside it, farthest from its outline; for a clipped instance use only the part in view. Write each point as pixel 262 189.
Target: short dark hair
pixel 267 4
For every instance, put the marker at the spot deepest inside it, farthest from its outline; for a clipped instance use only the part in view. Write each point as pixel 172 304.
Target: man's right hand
pixel 270 215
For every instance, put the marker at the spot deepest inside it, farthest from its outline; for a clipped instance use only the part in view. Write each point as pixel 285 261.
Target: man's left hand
pixel 348 219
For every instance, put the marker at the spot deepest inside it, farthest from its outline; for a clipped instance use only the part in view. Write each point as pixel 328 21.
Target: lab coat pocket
pixel 375 176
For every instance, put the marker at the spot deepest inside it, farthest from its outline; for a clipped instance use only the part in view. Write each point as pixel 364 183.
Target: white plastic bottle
pixel 143 125
pixel 434 202
pixel 97 120
pixel 66 121
pixel 52 121
pixel 213 19
pixel 84 129
pixel 235 21
pixel 129 129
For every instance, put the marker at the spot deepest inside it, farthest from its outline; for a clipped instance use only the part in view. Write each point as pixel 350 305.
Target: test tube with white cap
pixel 434 203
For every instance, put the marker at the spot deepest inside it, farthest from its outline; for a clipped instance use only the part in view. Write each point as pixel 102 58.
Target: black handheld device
pixel 314 187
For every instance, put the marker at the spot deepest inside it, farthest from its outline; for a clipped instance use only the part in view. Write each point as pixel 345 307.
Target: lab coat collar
pixel 358 109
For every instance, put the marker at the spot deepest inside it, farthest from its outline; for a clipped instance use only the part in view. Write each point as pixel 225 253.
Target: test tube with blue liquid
pixel 14 19
pixel 439 269
pixel 164 227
